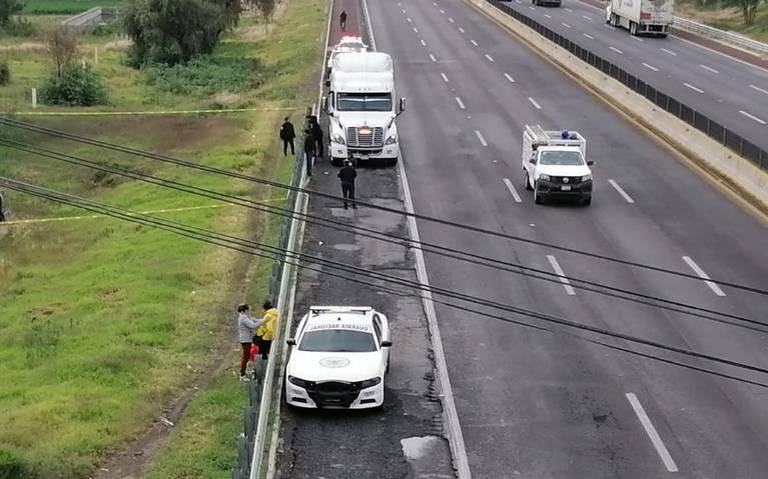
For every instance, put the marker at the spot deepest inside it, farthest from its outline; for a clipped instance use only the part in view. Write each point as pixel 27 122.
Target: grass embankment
pixel 730 18
pixel 103 322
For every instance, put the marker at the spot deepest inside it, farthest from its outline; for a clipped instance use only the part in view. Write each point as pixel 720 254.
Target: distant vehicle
pixel 551 3
pixel 338 359
pixel 362 109
pixel 555 165
pixel 641 16
pixel 346 44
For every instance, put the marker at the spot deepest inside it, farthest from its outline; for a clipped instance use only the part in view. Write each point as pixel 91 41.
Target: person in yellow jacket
pixel 266 332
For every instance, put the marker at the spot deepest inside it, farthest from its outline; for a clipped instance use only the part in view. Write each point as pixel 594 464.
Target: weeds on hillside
pixel 206 75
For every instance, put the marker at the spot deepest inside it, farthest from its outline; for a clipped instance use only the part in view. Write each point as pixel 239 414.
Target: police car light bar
pixel 315 310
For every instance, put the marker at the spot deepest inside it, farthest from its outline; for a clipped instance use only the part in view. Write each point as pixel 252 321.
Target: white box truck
pixel 555 165
pixel 361 108
pixel 652 17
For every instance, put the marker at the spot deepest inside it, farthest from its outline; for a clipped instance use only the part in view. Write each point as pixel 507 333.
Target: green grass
pixel 69 7
pixel 729 19
pixel 102 321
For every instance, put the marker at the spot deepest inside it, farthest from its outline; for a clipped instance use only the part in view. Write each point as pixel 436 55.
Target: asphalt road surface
pixel 405 440
pixel 543 405
pixel 729 91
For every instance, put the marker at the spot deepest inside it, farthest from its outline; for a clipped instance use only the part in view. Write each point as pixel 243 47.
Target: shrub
pixel 75 86
pixel 18 27
pixel 206 75
pixel 5 74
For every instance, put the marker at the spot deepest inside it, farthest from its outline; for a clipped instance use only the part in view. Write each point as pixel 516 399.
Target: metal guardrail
pixel 730 38
pixel 246 441
pixel 701 122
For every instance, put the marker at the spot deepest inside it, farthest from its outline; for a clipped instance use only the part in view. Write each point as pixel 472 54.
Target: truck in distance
pixel 652 17
pixel 555 165
pixel 361 108
pixel 551 3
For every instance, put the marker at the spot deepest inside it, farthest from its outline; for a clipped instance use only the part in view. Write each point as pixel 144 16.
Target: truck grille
pixel 571 180
pixel 365 136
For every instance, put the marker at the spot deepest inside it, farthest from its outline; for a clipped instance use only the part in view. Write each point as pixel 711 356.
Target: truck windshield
pixel 364 101
pixel 564 158
pixel 338 340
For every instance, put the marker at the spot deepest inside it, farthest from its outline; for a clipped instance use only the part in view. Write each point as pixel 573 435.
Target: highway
pixel 541 404
pixel 725 89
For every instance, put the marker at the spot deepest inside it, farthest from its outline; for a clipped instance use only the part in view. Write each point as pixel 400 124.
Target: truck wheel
pixel 587 201
pixel 390 162
pixel 614 20
pixel 633 29
pixel 527 182
pixel 536 195
pixel 335 161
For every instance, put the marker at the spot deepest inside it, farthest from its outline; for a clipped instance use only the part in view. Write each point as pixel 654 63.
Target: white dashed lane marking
pixel 701 274
pixel 696 89
pixel 666 458
pixel 512 190
pixel 668 51
pixel 534 103
pixel 490 58
pixel 621 191
pixel 709 69
pixel 461 104
pixel 752 117
pixel 758 89
pixel 589 36
pixel 445 78
pixel 511 80
pixel 432 57
pixel 480 138
pixel 616 50
pixel 650 67
pixel 559 271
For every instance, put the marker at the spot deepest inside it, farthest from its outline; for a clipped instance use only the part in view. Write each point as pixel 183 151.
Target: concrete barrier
pixel 738 173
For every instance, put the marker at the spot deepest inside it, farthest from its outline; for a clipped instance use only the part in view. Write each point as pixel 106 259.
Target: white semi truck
pixel 652 17
pixel 555 165
pixel 361 108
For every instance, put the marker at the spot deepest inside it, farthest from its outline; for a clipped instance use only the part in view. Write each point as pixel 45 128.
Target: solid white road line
pixel 461 104
pixel 621 191
pixel 511 80
pixel 669 463
pixel 546 15
pixel 445 78
pixel 588 36
pixel 432 57
pixel 616 50
pixel 473 42
pixel 700 272
pixel 668 51
pixel 699 90
pixel 565 25
pixel 538 107
pixel 480 137
pixel 753 117
pixel 512 190
pixel 559 271
pixel 758 89
pixel 461 30
pixel 450 19
pixel 709 69
pixel 650 67
pixel 490 58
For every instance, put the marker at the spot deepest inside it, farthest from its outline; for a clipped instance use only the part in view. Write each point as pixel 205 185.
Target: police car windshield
pixel 563 158
pixel 338 340
pixel 364 102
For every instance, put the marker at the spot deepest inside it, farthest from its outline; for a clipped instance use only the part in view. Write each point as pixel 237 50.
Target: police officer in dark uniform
pixel 317 132
pixel 347 176
pixel 309 149
pixel 287 134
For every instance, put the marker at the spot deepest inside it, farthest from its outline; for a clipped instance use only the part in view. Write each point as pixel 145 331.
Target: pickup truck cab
pixel 555 165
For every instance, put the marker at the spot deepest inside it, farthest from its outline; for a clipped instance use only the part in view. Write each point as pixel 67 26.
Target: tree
pixel 748 9
pixel 9 8
pixel 174 31
pixel 266 8
pixel 63 46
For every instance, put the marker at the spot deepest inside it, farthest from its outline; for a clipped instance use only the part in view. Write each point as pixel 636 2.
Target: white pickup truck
pixel 555 165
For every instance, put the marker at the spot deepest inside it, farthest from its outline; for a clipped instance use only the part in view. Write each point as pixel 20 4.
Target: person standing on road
pixel 266 331
pixel 317 133
pixel 246 325
pixel 343 20
pixel 347 176
pixel 287 134
pixel 2 214
pixel 309 149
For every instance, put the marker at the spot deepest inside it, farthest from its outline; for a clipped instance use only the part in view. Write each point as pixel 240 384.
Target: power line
pixel 243 245
pixel 168 159
pixel 387 237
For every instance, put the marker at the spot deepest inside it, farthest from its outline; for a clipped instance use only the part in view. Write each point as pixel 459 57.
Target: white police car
pixel 338 359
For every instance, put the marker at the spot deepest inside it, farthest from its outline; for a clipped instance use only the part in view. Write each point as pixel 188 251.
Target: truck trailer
pixel 652 17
